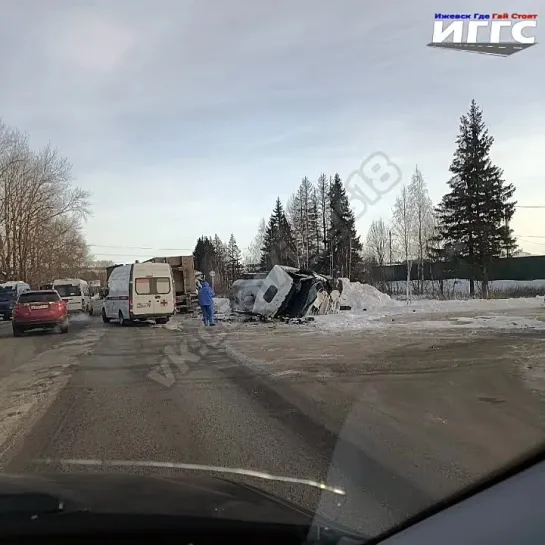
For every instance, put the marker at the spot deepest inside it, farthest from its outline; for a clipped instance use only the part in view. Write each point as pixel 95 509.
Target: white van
pixel 141 291
pixel 75 292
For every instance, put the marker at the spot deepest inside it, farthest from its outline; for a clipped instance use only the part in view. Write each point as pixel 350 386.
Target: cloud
pixel 185 117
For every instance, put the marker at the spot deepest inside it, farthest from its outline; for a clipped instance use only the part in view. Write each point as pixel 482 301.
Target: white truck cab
pixel 140 292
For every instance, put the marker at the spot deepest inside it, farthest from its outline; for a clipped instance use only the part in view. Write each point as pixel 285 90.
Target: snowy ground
pixel 519 313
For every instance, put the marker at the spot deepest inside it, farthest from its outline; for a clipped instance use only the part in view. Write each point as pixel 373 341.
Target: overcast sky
pixel 185 118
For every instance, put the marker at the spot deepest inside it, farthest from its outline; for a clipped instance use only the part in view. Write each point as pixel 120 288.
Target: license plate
pixel 38 307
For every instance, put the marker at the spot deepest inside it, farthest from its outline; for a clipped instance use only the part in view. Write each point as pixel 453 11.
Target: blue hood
pixel 206 294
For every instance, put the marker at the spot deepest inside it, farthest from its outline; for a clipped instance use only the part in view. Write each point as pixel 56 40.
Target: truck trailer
pixel 183 273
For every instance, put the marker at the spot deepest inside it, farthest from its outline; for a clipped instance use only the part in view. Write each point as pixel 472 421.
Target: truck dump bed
pixel 183 272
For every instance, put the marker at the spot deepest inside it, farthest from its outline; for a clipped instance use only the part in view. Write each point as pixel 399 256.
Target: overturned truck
pixel 286 292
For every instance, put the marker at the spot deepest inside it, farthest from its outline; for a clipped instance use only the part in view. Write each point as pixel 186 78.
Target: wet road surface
pixel 148 394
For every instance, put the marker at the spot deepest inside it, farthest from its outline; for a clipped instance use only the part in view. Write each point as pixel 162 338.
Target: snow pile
pixel 434 314
pixel 222 305
pixel 360 296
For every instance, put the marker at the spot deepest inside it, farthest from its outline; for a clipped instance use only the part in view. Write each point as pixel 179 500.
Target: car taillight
pixel 18 307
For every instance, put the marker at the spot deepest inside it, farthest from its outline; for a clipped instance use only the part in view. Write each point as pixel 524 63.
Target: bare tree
pixel 40 211
pixel 323 208
pixel 302 213
pixel 252 256
pixel 378 241
pixel 403 229
pixel 422 209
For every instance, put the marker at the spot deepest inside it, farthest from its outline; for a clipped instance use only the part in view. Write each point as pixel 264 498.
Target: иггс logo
pixel 499 34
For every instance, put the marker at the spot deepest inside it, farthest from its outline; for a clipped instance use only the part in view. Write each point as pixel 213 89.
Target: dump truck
pixel 183 272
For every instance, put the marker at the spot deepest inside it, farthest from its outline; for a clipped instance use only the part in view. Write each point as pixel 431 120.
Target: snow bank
pixel 360 296
pixel 222 305
pixel 373 318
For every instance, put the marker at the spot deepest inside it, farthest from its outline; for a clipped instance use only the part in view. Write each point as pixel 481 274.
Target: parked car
pixel 39 310
pixel 9 293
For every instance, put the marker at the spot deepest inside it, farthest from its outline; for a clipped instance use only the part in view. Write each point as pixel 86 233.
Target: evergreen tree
pixel 474 216
pixel 221 280
pixel 233 259
pixel 278 243
pixel 345 245
pixel 205 256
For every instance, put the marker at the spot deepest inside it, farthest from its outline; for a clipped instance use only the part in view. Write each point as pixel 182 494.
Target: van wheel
pixel 105 318
pixel 122 320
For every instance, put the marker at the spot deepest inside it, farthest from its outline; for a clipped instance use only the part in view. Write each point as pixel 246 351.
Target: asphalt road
pixel 150 394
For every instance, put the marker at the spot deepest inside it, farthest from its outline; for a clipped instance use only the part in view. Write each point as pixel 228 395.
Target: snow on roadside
pixel 363 296
pixel 174 324
pixel 30 388
pixel 222 305
pixel 371 319
pixel 481 322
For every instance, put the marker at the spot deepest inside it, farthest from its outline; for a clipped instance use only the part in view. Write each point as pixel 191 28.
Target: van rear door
pixel 142 300
pixel 153 296
pixel 162 295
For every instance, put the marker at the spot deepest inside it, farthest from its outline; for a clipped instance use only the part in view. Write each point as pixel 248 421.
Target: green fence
pixel 513 268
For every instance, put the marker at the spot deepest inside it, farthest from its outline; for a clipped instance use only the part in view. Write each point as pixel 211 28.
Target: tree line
pixel 211 254
pixel 316 228
pixel 41 212
pixel 471 223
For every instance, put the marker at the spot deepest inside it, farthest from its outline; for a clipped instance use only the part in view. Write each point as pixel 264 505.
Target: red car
pixel 42 309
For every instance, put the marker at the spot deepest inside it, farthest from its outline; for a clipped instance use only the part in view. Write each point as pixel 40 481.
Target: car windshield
pixel 300 247
pixel 67 290
pixel 38 297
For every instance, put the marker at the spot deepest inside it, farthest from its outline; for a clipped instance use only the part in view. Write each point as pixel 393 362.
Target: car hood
pixel 193 496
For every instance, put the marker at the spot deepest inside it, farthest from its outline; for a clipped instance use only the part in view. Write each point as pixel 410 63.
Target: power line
pixel 143 248
pixel 151 248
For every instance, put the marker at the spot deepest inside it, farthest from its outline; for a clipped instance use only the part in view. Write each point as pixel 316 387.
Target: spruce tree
pixel 345 245
pixel 278 243
pixel 233 259
pixel 205 256
pixel 474 216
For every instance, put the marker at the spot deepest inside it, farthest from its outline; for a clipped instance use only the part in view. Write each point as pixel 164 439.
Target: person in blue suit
pixel 206 302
